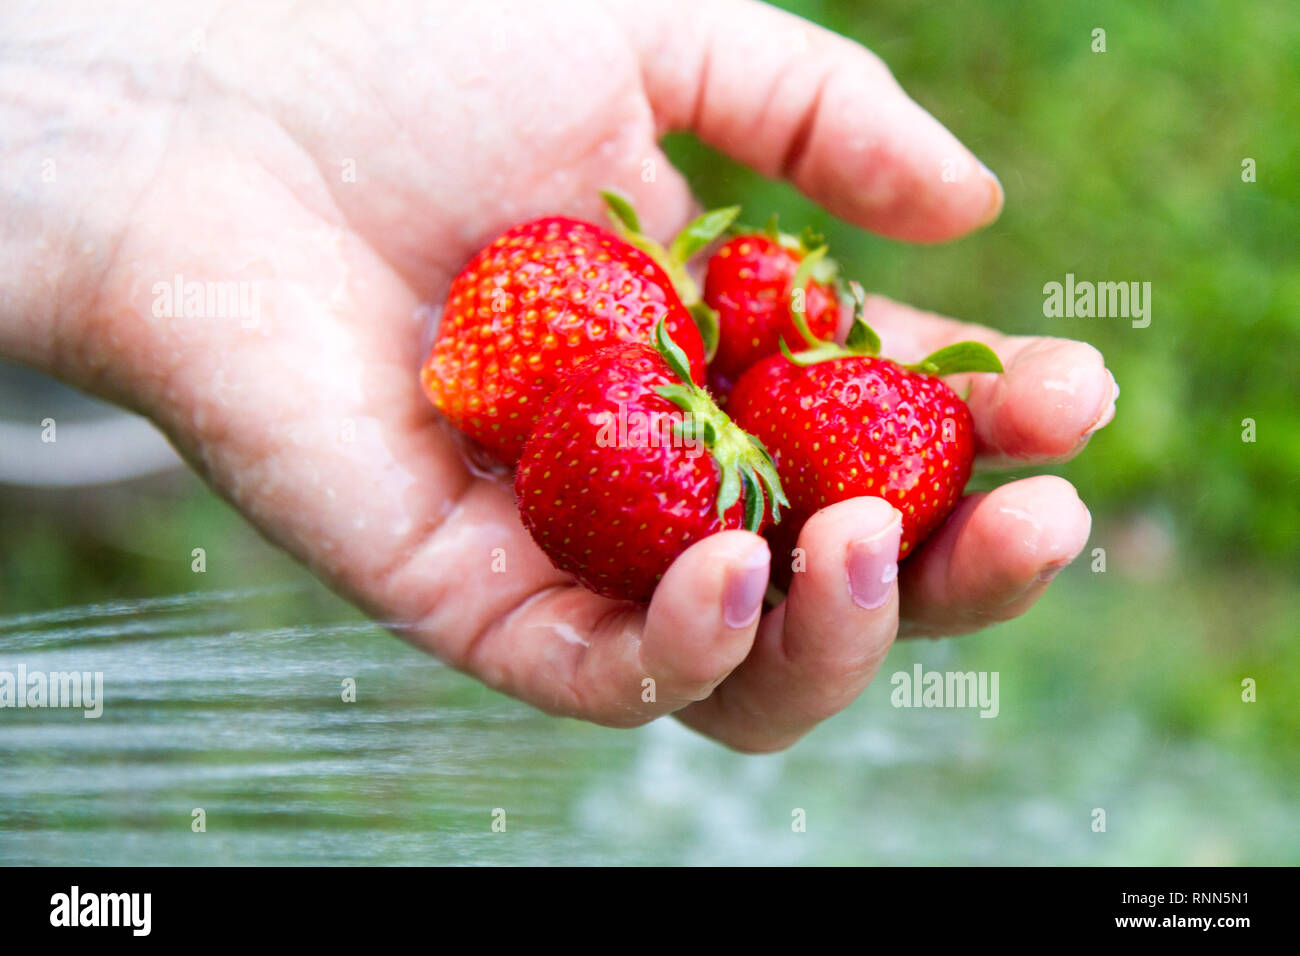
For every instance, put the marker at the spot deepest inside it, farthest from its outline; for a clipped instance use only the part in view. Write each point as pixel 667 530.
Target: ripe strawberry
pixel 841 422
pixel 541 298
pixel 751 283
pixel 632 463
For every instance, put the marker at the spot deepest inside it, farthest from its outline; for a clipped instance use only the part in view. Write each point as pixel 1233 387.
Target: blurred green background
pixel 1122 690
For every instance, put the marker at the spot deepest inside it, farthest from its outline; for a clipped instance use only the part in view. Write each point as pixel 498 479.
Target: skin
pixel 213 141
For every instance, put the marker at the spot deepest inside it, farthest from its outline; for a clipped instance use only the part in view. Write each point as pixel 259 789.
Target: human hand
pixel 346 162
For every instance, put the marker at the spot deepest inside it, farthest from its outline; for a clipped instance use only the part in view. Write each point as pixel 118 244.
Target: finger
pixel 794 100
pixel 704 615
pixel 993 558
pixel 1052 396
pixel 534 634
pixel 815 652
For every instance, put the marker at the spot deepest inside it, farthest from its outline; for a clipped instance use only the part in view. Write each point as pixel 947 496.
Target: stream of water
pixel 232 703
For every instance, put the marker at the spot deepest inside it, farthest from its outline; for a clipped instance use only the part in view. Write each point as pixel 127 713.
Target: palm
pixel 349 174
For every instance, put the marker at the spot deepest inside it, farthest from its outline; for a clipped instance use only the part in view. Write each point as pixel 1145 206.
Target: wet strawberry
pixel 540 299
pixel 632 463
pixel 841 422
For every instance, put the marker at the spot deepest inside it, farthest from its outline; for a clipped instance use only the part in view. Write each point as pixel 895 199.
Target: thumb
pixel 795 100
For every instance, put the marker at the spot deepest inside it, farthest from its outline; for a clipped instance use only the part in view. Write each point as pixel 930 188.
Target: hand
pixel 347 162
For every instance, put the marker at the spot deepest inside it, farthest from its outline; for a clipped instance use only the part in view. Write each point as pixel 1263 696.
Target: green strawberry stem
pixel 863 340
pixel 808 240
pixel 698 233
pixel 744 465
pixel 799 294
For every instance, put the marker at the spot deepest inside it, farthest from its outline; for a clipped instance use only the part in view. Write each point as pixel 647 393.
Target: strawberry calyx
pixel 697 234
pixel 743 462
pixel 862 340
pixel 824 270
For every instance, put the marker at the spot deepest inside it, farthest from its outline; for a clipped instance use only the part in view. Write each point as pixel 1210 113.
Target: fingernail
pixel 742 595
pixel 1107 414
pixel 996 194
pixel 1052 570
pixel 873 565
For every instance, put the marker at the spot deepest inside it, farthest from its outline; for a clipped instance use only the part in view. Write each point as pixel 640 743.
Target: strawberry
pixel 751 282
pixel 631 463
pixel 544 296
pixel 842 422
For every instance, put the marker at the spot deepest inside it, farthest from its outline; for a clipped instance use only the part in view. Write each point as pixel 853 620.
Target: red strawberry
pixel 543 297
pixel 841 423
pixel 632 463
pixel 751 283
